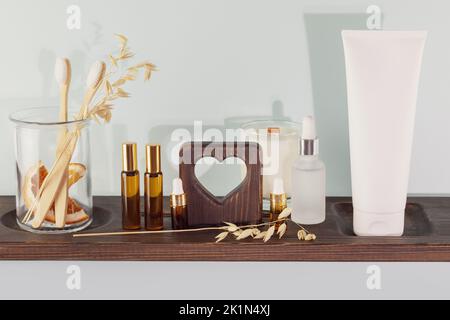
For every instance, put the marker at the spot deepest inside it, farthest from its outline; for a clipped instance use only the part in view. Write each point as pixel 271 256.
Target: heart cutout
pixel 220 178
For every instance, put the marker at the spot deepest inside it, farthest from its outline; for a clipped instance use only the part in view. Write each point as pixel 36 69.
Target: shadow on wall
pixel 106 156
pixel 326 55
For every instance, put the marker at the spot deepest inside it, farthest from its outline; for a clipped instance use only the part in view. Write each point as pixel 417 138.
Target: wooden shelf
pixel 427 238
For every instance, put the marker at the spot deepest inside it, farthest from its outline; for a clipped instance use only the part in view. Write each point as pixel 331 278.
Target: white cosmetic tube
pixel 383 69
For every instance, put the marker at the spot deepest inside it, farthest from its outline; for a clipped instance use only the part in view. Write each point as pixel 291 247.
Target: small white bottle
pixel 308 178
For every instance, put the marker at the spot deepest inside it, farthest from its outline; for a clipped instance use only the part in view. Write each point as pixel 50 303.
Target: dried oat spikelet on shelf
pixel 94 107
pixel 252 231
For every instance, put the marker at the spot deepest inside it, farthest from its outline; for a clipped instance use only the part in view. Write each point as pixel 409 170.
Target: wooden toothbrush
pixel 94 79
pixel 63 74
pixel 52 183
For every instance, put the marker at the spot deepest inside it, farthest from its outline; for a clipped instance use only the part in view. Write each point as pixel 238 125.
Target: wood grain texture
pixel 427 238
pixel 242 205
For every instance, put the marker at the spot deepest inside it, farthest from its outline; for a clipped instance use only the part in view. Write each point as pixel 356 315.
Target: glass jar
pixel 279 140
pixel 40 140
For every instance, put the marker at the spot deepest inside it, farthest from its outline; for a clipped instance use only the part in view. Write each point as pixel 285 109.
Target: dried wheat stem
pixel 124 233
pixel 262 224
pixel 300 226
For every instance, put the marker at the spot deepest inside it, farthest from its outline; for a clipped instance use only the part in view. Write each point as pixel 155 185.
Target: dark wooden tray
pixel 427 238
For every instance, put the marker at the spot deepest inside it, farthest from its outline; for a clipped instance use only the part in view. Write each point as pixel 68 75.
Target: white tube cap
pixel 378 224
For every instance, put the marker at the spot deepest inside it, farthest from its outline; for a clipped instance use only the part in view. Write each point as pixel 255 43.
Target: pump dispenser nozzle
pixel 308 128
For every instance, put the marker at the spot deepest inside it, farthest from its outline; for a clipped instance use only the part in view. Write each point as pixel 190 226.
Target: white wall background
pixel 223 62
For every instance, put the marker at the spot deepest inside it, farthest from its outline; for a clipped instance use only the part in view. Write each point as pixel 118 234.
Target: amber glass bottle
pixel 179 217
pixel 278 200
pixel 178 206
pixel 153 185
pixel 131 217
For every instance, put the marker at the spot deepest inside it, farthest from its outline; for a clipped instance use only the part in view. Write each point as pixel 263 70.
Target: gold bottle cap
pixel 153 158
pixel 129 157
pixel 178 200
pixel 278 198
pixel 278 202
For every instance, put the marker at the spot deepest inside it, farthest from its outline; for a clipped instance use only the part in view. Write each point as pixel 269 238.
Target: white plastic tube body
pixel 382 69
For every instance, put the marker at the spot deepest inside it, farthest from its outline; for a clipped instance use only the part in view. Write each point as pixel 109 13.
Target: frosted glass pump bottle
pixel 308 179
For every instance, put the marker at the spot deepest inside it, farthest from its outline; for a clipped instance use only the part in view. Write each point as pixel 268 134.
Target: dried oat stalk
pixel 254 232
pixel 239 232
pixel 114 81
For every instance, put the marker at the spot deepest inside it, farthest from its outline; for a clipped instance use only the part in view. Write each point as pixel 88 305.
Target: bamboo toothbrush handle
pixel 62 196
pixel 87 101
pixel 93 83
pixel 63 116
pixel 55 178
pixel 63 105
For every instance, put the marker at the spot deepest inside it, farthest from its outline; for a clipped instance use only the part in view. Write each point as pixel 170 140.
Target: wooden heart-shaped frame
pixel 242 205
